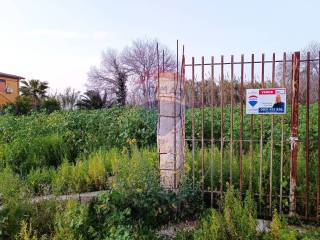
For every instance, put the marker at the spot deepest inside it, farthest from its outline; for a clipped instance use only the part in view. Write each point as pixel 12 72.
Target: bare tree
pixel 141 62
pixel 313 48
pixel 110 77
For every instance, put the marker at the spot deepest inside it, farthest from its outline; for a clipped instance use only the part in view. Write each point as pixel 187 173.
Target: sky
pixel 59 40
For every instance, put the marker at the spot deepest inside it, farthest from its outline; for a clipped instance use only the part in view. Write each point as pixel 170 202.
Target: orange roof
pixel 11 76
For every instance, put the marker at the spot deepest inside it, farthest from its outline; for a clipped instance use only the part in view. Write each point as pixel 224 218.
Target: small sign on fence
pixel 266 101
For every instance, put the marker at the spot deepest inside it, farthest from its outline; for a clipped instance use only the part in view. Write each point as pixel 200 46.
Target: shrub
pixel 50 105
pixel 36 223
pixel 23 105
pixel 240 218
pixel 26 232
pixel 275 225
pixel 14 205
pixel 71 221
pixel 212 227
pixel 42 217
pixel 39 181
pixel 236 222
pixel 24 154
pixel 8 108
pixel 97 171
pixel 83 176
pixel 71 178
pixel 279 229
pixel 63 179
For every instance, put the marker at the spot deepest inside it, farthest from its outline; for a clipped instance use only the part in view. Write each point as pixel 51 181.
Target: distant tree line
pixel 130 77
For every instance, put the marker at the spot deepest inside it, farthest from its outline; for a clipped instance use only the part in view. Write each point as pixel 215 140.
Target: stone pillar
pixel 170 134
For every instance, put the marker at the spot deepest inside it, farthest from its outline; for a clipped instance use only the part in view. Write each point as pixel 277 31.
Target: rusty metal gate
pixel 276 158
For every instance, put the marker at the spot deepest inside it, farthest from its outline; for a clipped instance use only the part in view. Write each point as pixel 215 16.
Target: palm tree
pixel 92 99
pixel 35 89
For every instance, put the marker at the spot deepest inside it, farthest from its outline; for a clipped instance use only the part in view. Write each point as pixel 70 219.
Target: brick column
pixel 170 139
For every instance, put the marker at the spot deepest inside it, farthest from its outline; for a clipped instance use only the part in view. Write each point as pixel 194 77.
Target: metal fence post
pixel 294 132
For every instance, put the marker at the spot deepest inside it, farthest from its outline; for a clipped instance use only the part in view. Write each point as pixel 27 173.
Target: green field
pixel 80 151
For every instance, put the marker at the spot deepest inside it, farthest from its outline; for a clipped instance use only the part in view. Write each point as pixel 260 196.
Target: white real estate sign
pixel 266 101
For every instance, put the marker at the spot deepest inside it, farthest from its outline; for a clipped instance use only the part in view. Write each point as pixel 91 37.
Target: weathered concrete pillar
pixel 170 137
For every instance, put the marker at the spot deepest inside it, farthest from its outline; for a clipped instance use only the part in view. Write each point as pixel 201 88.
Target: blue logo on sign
pixel 253 100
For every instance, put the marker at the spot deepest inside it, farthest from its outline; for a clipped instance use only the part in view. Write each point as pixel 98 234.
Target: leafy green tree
pixel 50 105
pixel 93 99
pixel 35 89
pixel 23 105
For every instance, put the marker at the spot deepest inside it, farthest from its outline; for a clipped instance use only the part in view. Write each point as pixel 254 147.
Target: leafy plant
pixel 50 105
pixel 236 222
pixel 26 232
pixel 22 106
pixel 39 181
pixel 14 204
pixel 70 221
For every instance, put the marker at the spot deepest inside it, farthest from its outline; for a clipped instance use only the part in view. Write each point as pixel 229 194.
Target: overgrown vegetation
pixel 237 221
pixel 67 152
pixel 132 207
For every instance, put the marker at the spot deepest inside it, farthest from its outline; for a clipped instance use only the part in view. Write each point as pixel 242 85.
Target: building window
pixel 2 85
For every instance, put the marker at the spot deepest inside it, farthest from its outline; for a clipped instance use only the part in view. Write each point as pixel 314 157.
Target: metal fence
pixel 275 158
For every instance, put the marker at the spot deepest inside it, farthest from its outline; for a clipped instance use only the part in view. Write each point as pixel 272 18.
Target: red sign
pixel 267 91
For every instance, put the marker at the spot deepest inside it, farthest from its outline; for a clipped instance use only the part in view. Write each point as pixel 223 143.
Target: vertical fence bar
pixel 158 98
pixel 202 125
pixel 231 119
pixel 307 137
pixel 261 141
pixel 318 165
pixel 294 133
pixel 192 124
pixel 251 130
pixel 271 140
pixel 163 67
pixel 284 72
pixel 241 123
pixel 221 127
pixel 212 128
pixel 176 80
pixel 183 102
pixel 291 87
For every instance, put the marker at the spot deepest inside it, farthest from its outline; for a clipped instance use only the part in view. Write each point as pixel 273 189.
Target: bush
pixel 42 217
pixel 24 154
pixel 238 220
pixel 64 180
pixel 70 222
pixel 212 227
pixel 26 232
pixel 13 201
pixel 83 176
pixel 23 105
pixel 39 222
pixel 8 108
pixel 50 105
pixel 279 229
pixel 39 181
